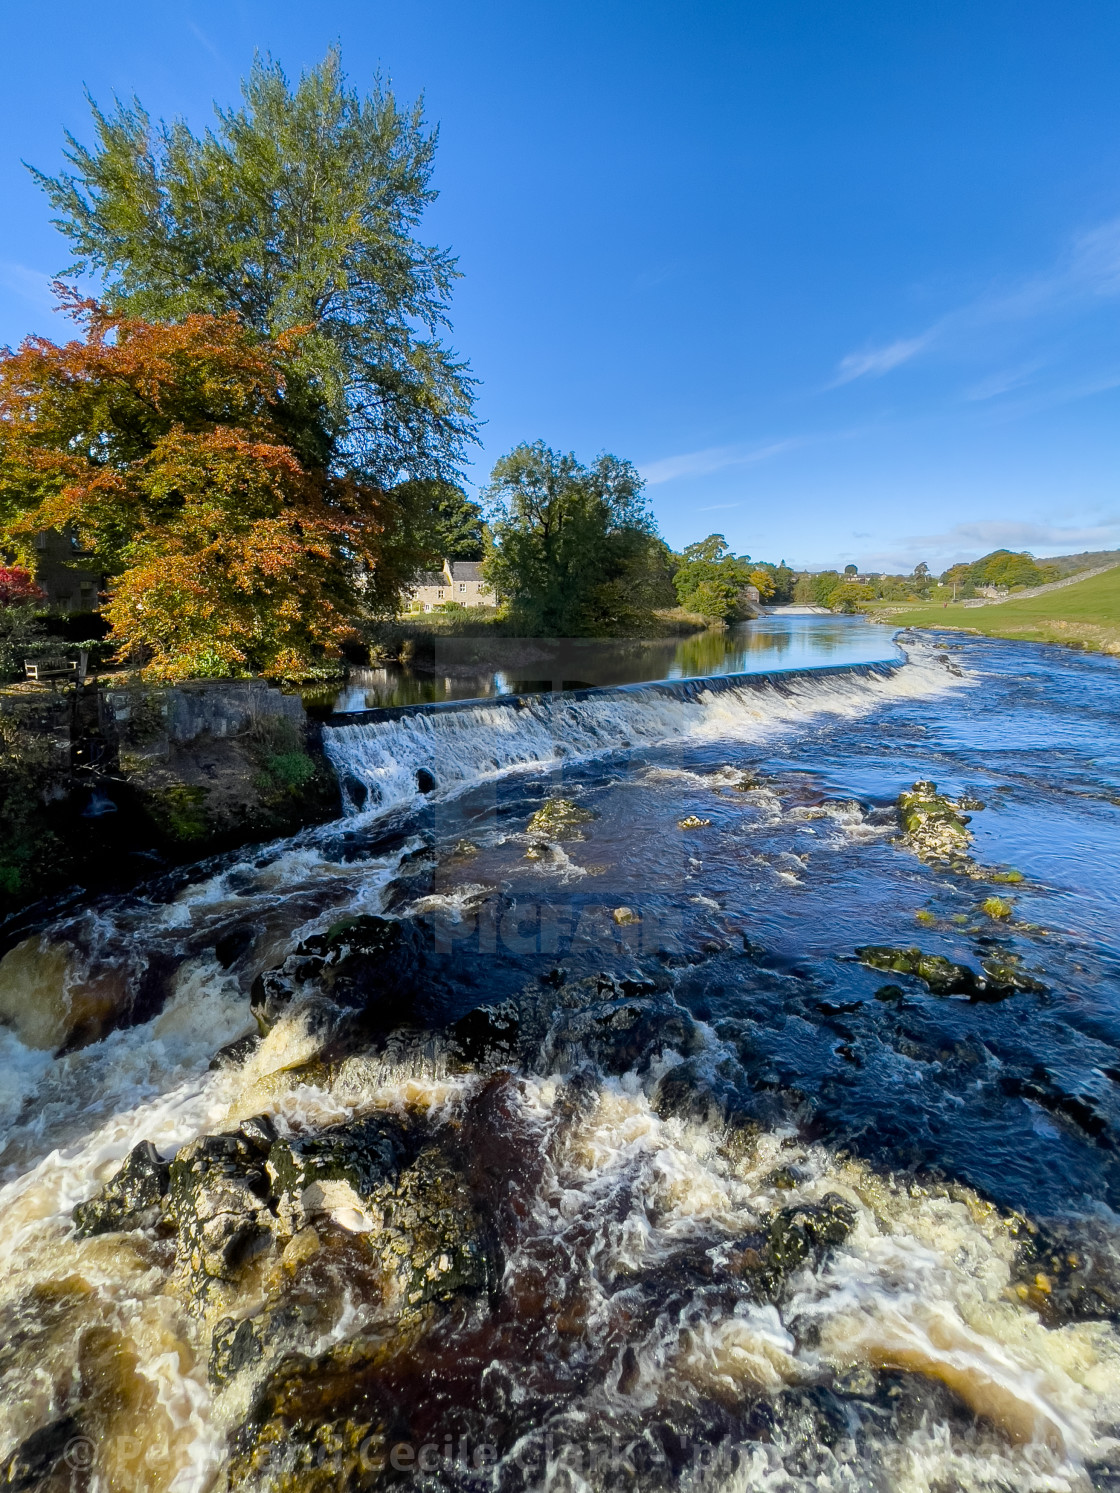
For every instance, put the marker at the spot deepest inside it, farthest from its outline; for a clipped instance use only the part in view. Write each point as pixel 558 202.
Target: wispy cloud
pixel 998 533
pixel 1003 381
pixel 876 361
pixel 712 459
pixel 1088 268
pixel 30 285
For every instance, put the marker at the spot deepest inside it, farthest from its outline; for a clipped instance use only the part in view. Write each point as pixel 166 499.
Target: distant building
pixel 59 571
pixel 459 580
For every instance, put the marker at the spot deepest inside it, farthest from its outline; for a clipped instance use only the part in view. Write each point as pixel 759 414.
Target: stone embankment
pixel 111 782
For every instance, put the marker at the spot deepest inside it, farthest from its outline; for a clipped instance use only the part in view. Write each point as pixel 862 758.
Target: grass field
pixel 1084 615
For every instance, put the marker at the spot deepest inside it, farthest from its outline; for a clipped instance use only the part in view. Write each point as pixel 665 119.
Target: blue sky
pixel 841 277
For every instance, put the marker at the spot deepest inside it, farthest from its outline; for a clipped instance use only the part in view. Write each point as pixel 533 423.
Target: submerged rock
pixel 693 821
pixel 559 819
pixel 941 975
pixel 996 980
pixel 131 1199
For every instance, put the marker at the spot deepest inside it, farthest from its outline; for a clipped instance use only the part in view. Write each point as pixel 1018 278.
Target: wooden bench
pixel 49 668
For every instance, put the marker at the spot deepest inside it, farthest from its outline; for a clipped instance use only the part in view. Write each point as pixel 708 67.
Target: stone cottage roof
pixel 465 570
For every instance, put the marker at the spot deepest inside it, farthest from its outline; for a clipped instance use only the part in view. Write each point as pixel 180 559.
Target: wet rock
pixel 434 1243
pixel 319 1425
pixel 619 1034
pixel 559 819
pixel 1069 1272
pixel 702 1090
pixel 1004 975
pixel 890 993
pixel 274 991
pixel 995 981
pixel 796 1236
pixel 131 1199
pixel 787 1178
pixel 346 1169
pixel 326 965
pixel 933 826
pixel 488 1034
pixel 407 1199
pixel 234 1053
pixel 693 821
pixel 218 1199
pixel 234 945
pixel 1047 1090
pixel 40 1462
pixel 623 916
pixel 233 1347
pixel 941 975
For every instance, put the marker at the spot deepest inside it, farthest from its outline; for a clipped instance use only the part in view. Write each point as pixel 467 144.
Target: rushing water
pixel 482 668
pixel 730 1208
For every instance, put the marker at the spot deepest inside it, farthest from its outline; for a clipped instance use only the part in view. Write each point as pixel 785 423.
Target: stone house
pixel 60 572
pixel 459 580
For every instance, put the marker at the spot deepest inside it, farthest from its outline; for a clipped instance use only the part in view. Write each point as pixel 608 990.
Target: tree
pixel 166 450
pixel 574 548
pixel 448 526
pixel 850 595
pixel 298 210
pixel 710 579
pixel 851 570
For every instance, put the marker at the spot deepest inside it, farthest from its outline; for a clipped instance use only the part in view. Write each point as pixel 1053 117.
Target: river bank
pixel 1076 613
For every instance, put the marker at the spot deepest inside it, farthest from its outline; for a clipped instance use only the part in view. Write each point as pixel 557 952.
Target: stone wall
pixel 223 708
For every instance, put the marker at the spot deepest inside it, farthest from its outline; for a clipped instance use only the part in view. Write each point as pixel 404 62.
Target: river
pixel 628 1099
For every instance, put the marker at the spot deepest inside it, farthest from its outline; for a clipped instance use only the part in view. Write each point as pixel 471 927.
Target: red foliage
pixel 17 587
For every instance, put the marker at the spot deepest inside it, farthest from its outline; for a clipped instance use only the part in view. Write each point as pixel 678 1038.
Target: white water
pixel 466 745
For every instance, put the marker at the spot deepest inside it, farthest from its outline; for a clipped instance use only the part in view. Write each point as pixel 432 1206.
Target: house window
pixel 439 594
pixel 462 585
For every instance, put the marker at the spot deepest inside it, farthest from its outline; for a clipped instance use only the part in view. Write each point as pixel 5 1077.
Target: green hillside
pixel 1086 614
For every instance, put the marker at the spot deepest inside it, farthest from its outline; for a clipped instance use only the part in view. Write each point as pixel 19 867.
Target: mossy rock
pixel 997 908
pixel 941 975
pixel 996 980
pixel 933 825
pixel 559 819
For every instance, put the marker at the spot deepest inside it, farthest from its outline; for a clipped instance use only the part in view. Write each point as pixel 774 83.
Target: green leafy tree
pixel 448 526
pixel 824 583
pixel 297 210
pixel 851 595
pixel 574 548
pixel 710 579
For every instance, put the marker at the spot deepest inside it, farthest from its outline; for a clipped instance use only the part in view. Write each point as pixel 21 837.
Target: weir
pixel 385 757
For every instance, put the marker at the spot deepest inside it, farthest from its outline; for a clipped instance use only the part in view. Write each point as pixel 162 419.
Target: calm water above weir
pixel 482 668
pixel 641 1104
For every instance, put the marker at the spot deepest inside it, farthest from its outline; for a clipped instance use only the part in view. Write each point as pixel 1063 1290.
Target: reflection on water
pixel 463 668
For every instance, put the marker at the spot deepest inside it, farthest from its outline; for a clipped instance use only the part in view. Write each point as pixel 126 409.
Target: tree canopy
pixel 574 548
pixel 298 210
pixel 1000 568
pixel 166 450
pixel 710 579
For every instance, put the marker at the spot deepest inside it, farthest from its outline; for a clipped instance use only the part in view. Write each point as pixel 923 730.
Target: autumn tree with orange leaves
pixel 169 450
